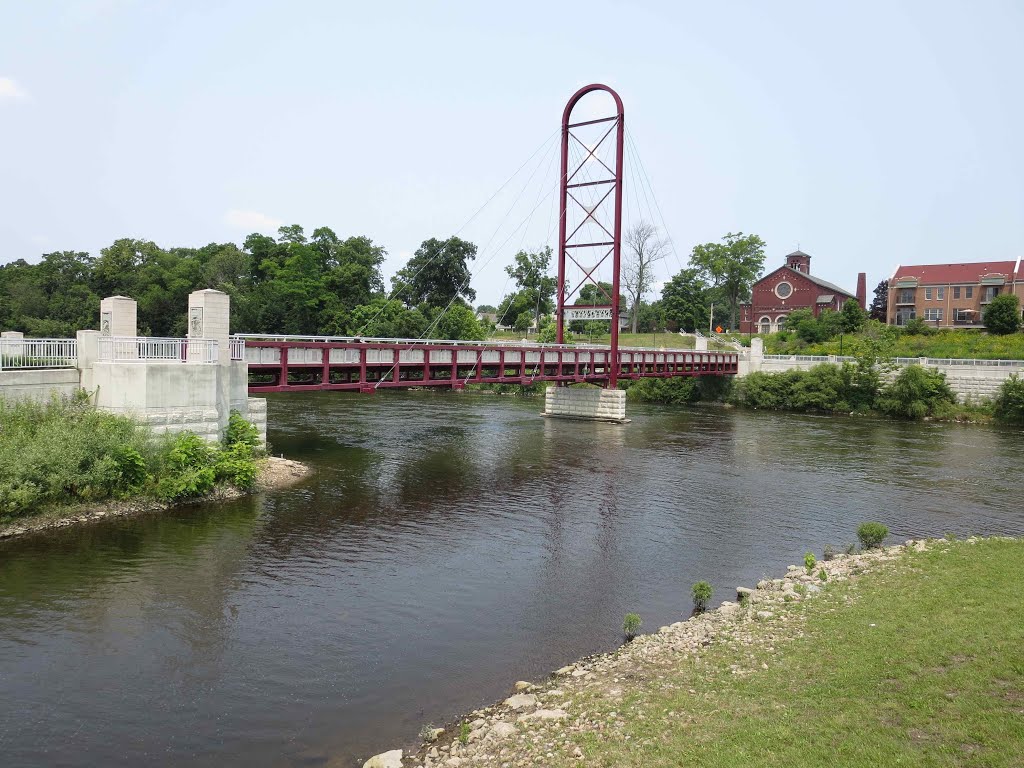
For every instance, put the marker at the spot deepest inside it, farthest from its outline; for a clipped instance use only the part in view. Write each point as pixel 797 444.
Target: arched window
pixel 765 324
pixel 780 322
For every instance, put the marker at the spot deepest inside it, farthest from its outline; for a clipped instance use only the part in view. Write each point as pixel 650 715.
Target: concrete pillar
pixel 589 403
pixel 119 317
pixel 209 314
pixel 88 354
pixel 12 348
pixel 700 343
pixel 756 354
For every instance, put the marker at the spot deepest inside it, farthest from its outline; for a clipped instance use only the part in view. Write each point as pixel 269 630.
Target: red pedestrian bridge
pixel 298 363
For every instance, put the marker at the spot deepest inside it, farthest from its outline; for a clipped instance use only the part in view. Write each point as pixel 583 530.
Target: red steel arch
pixel 565 242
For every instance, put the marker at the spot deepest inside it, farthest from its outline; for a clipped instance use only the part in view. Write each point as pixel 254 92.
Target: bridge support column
pixel 588 403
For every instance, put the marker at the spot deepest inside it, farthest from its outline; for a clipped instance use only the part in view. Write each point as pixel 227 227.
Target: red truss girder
pixel 291 366
pixel 615 235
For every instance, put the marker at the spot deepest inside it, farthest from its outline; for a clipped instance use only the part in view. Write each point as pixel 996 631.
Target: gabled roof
pixel 946 274
pixel 797 252
pixel 818 281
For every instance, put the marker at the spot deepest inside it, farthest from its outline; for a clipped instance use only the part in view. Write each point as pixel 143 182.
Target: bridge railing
pixel 237 348
pixel 933 361
pixel 17 354
pixel 510 343
pixel 143 349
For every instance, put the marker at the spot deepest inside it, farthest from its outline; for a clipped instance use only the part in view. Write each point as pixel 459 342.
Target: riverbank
pixel 903 655
pixel 274 473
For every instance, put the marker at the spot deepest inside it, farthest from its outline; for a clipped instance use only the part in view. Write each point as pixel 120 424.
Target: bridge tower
pixel 590 215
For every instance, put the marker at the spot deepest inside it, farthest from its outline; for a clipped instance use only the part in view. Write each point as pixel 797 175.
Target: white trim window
pixel 765 324
pixel 933 314
pixel 928 292
pixel 784 290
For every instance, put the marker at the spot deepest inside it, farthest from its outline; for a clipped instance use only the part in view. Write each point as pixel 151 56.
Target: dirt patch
pixel 275 473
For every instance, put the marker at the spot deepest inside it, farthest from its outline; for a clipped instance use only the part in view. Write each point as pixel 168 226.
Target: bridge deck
pixel 289 364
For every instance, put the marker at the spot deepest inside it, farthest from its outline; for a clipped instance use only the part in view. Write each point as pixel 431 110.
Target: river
pixel 448 545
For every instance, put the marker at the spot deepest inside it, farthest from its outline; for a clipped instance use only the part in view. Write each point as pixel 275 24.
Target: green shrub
pixel 631 625
pixel 64 450
pixel 242 432
pixel 917 392
pixel 823 574
pixel 1009 401
pixel 464 731
pixel 810 561
pixel 829 553
pixel 1002 315
pixel 872 535
pixel 236 465
pixel 701 592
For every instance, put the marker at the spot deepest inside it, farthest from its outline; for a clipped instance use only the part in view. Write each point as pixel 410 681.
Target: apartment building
pixel 951 295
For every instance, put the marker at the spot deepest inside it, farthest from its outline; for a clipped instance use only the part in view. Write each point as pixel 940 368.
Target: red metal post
pixel 563 245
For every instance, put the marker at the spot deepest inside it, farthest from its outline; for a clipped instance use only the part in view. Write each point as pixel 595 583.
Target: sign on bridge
pixel 587 313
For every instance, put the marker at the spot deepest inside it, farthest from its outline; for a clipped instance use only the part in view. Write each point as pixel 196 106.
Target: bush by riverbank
pixel 65 452
pixel 905 655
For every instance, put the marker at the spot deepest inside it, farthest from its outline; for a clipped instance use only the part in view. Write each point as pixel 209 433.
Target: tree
pixel 732 266
pixel 486 309
pixel 685 302
pixel 530 272
pixel 644 248
pixel 437 274
pixel 852 316
pixel 1002 315
pixel 879 309
pixel 457 322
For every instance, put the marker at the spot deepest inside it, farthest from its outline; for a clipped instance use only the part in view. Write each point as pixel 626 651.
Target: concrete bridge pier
pixel 586 403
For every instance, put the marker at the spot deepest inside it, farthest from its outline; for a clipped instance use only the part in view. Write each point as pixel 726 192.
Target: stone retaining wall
pixel 39 385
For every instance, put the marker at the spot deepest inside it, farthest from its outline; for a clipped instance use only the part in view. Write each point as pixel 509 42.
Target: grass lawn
pixel 917 664
pixel 956 343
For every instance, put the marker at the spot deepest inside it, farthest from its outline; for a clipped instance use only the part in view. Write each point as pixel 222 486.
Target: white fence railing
pixel 237 348
pixel 38 353
pixel 142 349
pixel 931 361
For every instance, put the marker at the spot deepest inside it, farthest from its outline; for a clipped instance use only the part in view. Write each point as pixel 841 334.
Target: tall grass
pixel 64 451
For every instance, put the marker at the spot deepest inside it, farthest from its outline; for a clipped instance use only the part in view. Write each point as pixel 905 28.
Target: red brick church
pixel 792 286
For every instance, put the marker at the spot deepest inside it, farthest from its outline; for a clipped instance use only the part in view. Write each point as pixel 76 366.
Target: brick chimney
pixel 862 290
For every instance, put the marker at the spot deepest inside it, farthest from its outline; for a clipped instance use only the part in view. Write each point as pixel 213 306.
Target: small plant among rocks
pixel 701 592
pixel 809 562
pixel 829 553
pixel 872 535
pixel 823 574
pixel 464 733
pixel 631 625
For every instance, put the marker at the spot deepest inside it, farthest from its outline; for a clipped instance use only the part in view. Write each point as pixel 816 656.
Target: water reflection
pixel 447 545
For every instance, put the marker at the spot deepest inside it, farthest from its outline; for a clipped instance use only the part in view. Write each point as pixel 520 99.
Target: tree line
pixel 324 284
pixel 320 284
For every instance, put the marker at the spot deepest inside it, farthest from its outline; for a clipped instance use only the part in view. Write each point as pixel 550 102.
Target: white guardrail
pixel 933 361
pixel 142 349
pixel 38 353
pixel 237 348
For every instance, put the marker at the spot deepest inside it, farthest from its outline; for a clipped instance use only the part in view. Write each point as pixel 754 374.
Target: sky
pixel 870 134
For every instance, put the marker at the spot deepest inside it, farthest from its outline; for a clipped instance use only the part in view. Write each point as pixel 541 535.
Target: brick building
pixel 792 286
pixel 951 295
